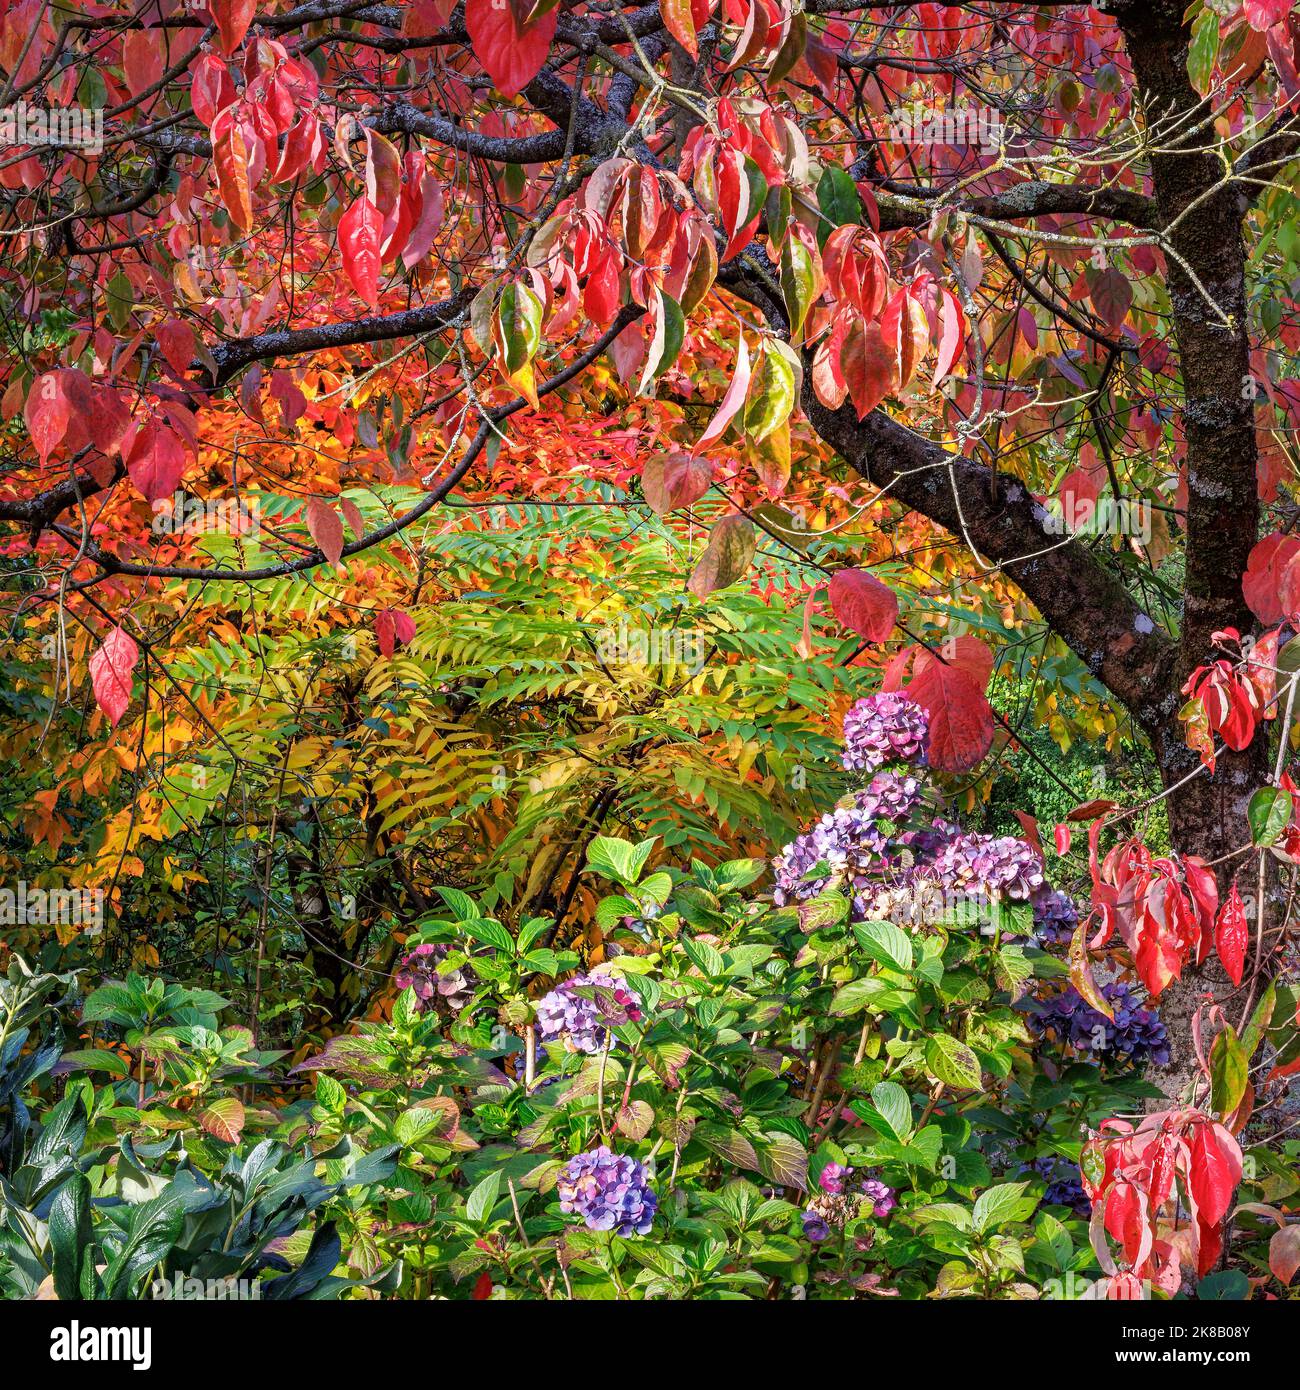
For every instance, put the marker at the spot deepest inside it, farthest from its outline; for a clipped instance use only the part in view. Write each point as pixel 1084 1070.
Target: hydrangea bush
pixel 872 1079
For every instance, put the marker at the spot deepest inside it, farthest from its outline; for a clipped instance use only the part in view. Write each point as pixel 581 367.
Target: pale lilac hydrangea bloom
pixel 582 1024
pixel 884 728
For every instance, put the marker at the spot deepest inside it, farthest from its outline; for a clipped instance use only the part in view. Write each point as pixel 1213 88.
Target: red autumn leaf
pixel 230 158
pixel 142 59
pixel 961 720
pixel 354 518
pixel 211 88
pixel 326 527
pixel 1111 295
pixel 482 1287
pixel 1232 935
pixel 967 653
pixel 1263 14
pixel 684 19
pixel 868 365
pixel 360 231
pixel 905 331
pixel 155 459
pixel 863 604
pixel 952 334
pixel 176 343
pixel 232 18
pixel 47 413
pixel 1270 584
pixel 675 480
pixel 1029 825
pixel 1062 835
pixel 733 398
pixel 1284 1253
pixel 111 669
pixel 393 627
pixel 511 53
pixel 1216 1170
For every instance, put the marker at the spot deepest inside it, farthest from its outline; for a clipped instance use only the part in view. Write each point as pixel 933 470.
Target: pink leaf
pixel 731 401
pixel 155 460
pixel 863 604
pixel 511 53
pixel 326 527
pixel 111 670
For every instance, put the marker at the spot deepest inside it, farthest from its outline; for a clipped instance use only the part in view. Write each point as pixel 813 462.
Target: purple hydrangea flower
pixel 1064 1186
pixel 832 1178
pixel 846 841
pixel 850 841
pixel 844 1196
pixel 609 1191
pixel 815 1227
pixel 583 1024
pixel 882 1198
pixel 891 796
pixel 884 728
pixel 990 865
pixel 418 970
pixel 1055 916
pixel 1136 1035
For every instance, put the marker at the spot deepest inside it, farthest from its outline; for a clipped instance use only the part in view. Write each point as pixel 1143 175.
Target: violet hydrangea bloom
pixel 582 1024
pixel 990 864
pixel 609 1191
pixel 831 1178
pixel 418 970
pixel 884 728
pixel 1136 1035
pixel 1055 916
pixel 880 1196
pixel 850 842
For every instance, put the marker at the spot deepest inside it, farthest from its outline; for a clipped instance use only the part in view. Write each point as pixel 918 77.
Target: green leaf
pixel 461 905
pixel 1268 813
pixel 771 394
pixel 1229 1072
pixel 952 1062
pixel 798 283
pixel 617 859
pixel 1002 1204
pixel 484 1197
pixel 519 318
pixel 71 1237
pixel 886 943
pixel 707 958
pixel 894 1106
pixel 490 933
pixel 1204 50
pixel 838 201
pixel 825 910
